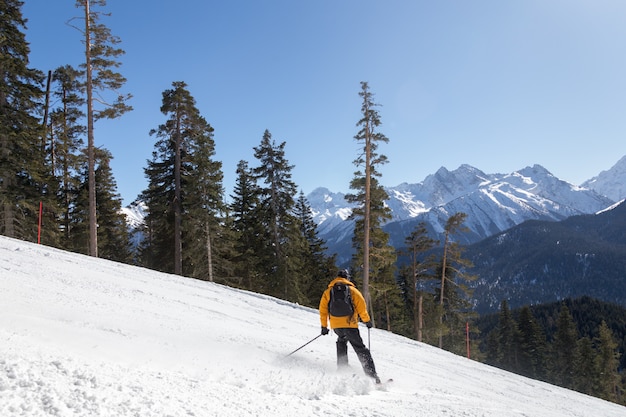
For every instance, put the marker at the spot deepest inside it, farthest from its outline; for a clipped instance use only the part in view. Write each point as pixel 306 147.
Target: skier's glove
pixel 369 324
pixel 324 331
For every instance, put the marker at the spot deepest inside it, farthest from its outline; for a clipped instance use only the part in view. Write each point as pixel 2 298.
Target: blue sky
pixel 499 85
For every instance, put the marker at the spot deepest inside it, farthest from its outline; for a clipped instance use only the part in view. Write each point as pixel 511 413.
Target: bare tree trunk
pixel 93 221
pixel 46 110
pixel 366 223
pixel 178 244
pixel 420 318
pixel 209 252
pixel 443 282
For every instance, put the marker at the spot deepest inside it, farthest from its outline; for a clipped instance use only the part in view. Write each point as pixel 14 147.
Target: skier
pixel 347 327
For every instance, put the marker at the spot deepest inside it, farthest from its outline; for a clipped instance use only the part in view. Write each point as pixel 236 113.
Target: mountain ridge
pixel 492 202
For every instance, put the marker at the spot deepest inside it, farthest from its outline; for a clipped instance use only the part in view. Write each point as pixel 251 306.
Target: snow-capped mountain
pixel 610 183
pixel 135 214
pixel 492 202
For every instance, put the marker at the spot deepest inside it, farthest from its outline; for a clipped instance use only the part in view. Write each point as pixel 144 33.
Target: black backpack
pixel 340 303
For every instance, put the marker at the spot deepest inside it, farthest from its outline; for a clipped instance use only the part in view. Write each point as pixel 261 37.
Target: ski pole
pixel 368 339
pixel 303 345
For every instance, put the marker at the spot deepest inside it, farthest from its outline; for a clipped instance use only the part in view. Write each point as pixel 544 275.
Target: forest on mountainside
pixel 577 343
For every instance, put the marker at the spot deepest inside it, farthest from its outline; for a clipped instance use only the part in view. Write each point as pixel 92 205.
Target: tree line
pixel 574 344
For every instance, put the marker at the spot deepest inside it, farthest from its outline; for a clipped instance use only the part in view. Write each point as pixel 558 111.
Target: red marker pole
pixel 39 227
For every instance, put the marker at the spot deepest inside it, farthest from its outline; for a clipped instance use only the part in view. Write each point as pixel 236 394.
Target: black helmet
pixel 343 273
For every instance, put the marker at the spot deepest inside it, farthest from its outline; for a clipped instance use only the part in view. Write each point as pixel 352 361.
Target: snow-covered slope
pixel 86 337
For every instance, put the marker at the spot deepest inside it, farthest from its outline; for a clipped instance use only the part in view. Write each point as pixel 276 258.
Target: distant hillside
pixel 539 261
pixel 587 313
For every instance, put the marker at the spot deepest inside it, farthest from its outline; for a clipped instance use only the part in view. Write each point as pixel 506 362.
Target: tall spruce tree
pixel 101 77
pixel 24 172
pixel 247 228
pixel 374 258
pixel 66 143
pixel 281 262
pixel 184 188
pixel 207 245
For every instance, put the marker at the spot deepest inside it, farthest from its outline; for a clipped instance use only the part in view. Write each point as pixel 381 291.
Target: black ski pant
pixel 353 336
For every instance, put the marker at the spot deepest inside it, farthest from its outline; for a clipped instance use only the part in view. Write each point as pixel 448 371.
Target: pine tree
pixel 184 190
pixel 586 378
pixel 66 143
pixel 416 272
pixel 101 60
pixel 374 258
pixel 114 243
pixel 508 340
pixel 281 263
pixel 454 293
pixel 564 350
pixel 607 363
pixel 23 170
pixel 532 348
pixel 247 228
pixel 207 243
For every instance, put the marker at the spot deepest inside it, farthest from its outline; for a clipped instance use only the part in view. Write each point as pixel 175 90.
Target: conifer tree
pixel 532 348
pixel 24 173
pixel 374 257
pixel 454 292
pixel 607 363
pixel 115 242
pixel 184 189
pixel 247 228
pixel 66 143
pixel 207 242
pixel 508 339
pixel 586 379
pixel 564 350
pixel 281 263
pixel 101 62
pixel 416 272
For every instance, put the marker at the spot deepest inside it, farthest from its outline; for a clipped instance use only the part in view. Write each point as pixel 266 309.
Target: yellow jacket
pixel 360 309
